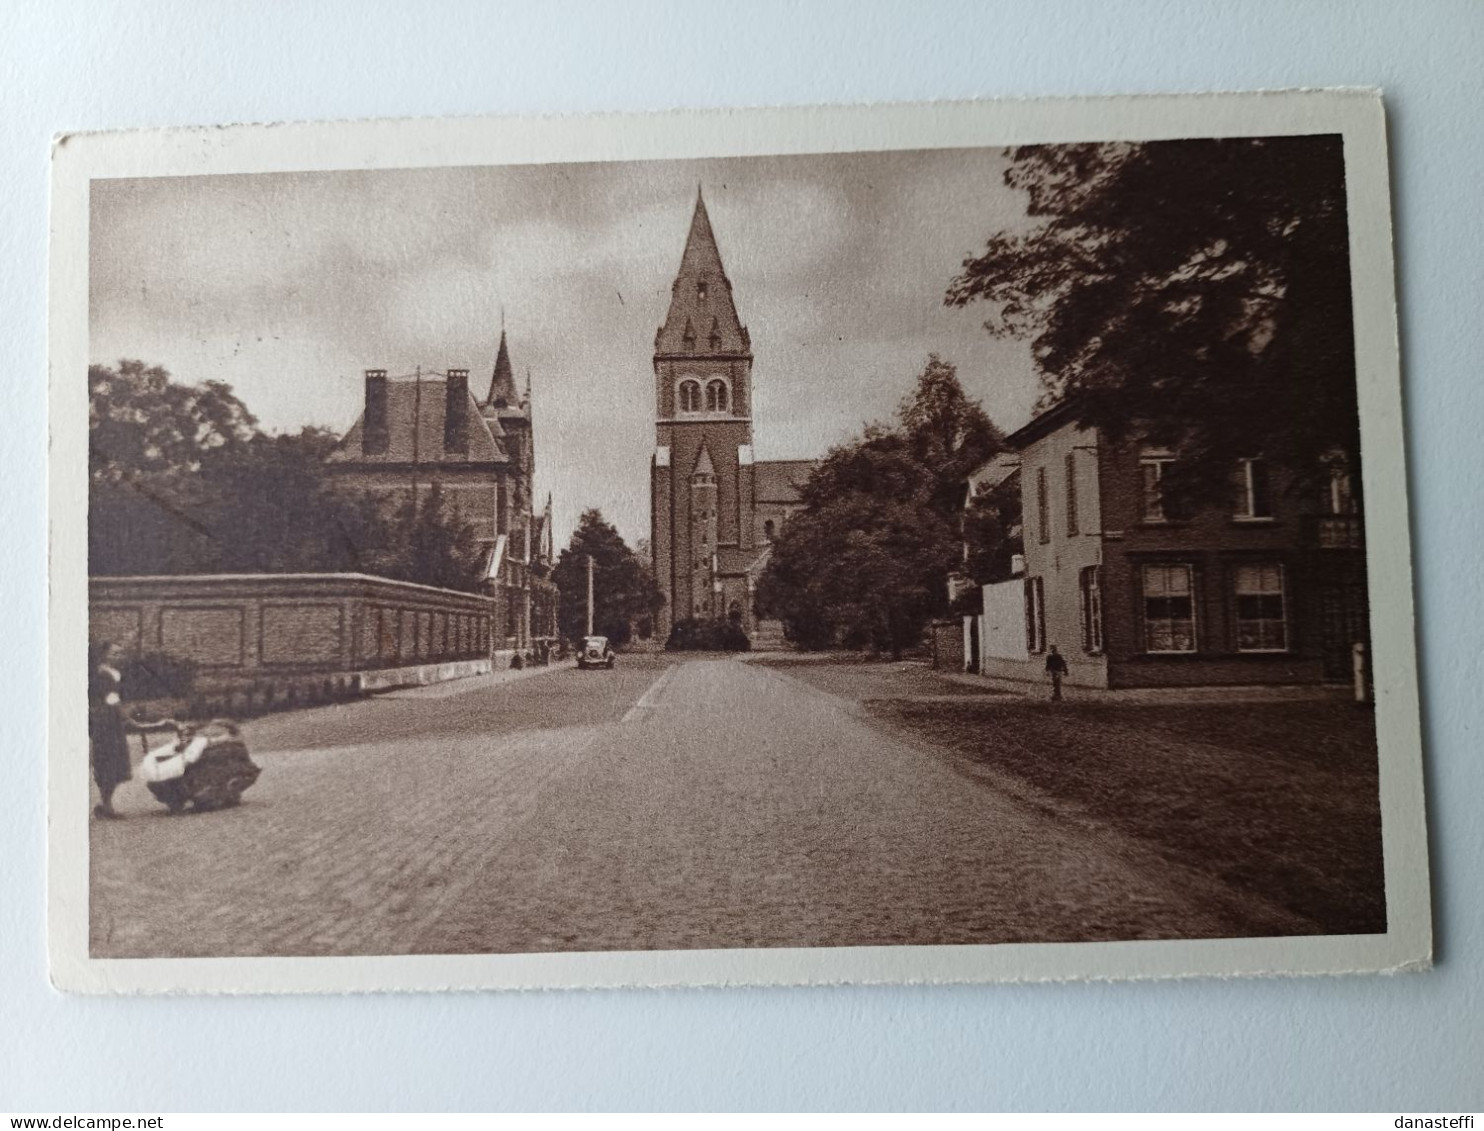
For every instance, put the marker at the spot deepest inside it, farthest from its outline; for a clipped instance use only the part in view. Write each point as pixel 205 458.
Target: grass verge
pixel 1279 799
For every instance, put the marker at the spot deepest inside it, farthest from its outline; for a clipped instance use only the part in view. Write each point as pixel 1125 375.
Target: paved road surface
pixel 709 803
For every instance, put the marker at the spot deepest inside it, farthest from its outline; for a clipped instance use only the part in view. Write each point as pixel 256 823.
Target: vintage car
pixel 595 652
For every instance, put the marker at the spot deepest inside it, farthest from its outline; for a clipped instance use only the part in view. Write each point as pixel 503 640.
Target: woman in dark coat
pixel 106 730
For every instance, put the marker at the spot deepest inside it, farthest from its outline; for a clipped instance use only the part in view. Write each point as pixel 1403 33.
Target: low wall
pixel 947 639
pixel 257 638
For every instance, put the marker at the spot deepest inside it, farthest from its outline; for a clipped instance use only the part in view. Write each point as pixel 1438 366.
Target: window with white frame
pixel 1154 469
pixel 1254 499
pixel 1262 614
pixel 690 396
pixel 1169 608
pixel 1091 587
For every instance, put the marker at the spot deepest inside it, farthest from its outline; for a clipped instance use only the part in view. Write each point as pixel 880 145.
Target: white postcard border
pixel 413 143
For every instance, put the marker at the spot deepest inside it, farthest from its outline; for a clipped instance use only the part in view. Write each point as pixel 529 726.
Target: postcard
pixel 961 542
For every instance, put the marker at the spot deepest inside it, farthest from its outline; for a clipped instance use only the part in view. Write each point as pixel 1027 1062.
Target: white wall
pixel 1002 631
pixel 1368 1043
pixel 1059 561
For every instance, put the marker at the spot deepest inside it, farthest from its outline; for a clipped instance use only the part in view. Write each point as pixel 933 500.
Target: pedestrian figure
pixel 107 733
pixel 1056 668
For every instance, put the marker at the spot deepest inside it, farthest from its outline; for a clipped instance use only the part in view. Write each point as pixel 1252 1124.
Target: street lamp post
pixel 589 594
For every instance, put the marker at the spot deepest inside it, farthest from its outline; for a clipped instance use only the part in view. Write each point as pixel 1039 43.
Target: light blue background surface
pixel 1410 1042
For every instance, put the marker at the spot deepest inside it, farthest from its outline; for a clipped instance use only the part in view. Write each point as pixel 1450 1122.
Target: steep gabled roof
pixel 1045 422
pixel 414 417
pixel 702 318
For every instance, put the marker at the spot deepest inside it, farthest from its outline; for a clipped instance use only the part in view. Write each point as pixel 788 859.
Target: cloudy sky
pixel 287 286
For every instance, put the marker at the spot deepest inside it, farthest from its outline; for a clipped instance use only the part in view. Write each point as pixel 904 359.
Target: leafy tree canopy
pixel 866 562
pixel 992 532
pixel 1197 292
pixel 182 481
pixel 624 590
pixel 140 422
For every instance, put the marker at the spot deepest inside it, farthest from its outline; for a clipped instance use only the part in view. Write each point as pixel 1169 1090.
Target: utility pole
pixel 417 410
pixel 589 594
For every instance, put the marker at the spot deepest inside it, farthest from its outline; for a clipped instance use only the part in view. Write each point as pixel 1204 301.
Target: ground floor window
pixel 1035 615
pixel 1169 608
pixel 1092 609
pixel 1262 622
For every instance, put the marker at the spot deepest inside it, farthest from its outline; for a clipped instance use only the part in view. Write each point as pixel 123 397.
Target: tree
pixel 949 434
pixel 866 562
pixel 624 590
pixel 182 481
pixel 992 531
pixel 142 423
pixel 1196 292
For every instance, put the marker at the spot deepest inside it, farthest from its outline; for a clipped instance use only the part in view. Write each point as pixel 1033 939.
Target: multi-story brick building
pixel 714 509
pixel 427 428
pixel 1134 593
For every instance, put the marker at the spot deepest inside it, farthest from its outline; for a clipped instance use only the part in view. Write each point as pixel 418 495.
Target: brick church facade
pixel 429 428
pixel 714 508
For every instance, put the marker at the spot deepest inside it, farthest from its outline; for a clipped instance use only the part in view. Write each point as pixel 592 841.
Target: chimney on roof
pixel 456 411
pixel 375 438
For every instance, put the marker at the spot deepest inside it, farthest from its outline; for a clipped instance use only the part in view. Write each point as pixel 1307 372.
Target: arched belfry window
pixel 716 396
pixel 690 396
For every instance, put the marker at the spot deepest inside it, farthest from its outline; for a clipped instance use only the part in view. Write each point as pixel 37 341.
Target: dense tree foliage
pixel 1195 291
pixel 624 589
pixel 948 434
pixel 866 562
pixel 182 481
pixel 992 532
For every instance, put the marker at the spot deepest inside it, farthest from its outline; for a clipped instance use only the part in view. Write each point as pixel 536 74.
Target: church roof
pixel 414 417
pixel 779 480
pixel 702 318
pixel 502 382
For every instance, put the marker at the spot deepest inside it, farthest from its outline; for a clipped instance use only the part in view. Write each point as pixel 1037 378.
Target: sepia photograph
pixel 905 559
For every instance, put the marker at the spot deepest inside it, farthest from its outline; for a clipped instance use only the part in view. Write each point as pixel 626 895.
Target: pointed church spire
pixel 502 384
pixel 702 296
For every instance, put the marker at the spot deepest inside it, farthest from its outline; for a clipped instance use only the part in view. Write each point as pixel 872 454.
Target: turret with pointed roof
pixel 702 320
pixel 502 392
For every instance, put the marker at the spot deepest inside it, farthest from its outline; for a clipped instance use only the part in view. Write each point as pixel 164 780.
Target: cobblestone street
pixel 591 811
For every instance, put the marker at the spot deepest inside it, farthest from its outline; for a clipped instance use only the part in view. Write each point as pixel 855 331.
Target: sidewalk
pixel 473 682
pixel 1241 693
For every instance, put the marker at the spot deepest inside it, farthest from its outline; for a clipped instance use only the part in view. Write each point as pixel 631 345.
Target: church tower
pixel 702 498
